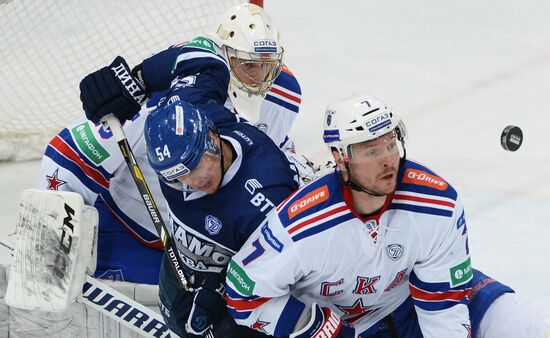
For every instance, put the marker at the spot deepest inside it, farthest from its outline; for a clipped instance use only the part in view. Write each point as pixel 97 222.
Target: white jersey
pixel 86 159
pixel 315 248
pixel 279 109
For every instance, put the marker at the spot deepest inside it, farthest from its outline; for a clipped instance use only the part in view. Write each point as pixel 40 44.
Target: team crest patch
pixel 394 251
pixel 212 224
pixel 112 274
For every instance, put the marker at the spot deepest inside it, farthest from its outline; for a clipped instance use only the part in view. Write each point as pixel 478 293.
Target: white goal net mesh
pixel 48 46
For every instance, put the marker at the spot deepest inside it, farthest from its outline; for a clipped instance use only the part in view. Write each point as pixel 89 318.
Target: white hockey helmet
pixel 250 40
pixel 359 118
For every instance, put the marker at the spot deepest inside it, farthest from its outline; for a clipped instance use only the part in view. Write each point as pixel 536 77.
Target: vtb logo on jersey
pixel 259 199
pixel 251 185
pixel 394 251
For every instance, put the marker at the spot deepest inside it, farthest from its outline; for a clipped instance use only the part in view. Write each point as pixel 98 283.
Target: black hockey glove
pixel 112 89
pixel 210 312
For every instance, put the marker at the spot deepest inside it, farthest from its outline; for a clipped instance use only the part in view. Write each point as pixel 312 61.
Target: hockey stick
pixel 115 305
pixel 111 122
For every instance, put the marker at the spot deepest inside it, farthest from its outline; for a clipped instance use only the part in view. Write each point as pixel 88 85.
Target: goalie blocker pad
pixel 55 247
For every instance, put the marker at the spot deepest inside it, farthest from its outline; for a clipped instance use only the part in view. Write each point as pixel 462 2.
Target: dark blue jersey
pixel 209 229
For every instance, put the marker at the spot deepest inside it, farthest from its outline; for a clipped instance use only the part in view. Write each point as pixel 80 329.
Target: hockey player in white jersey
pixel 378 248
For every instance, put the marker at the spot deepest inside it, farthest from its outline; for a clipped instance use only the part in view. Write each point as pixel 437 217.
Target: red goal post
pixel 48 46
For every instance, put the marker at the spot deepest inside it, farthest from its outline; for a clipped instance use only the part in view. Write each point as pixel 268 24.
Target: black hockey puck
pixel 511 138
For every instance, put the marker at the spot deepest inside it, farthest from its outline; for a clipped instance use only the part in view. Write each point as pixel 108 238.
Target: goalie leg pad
pixel 55 244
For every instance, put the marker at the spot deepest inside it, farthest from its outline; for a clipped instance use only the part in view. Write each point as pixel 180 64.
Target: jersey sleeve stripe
pixel 65 150
pixel 425 200
pixel 290 106
pixel 89 184
pixel 422 210
pixel 434 287
pixel 286 93
pixel 450 295
pixel 241 307
pixel 323 226
pixel 435 306
pixel 245 305
pixel 326 214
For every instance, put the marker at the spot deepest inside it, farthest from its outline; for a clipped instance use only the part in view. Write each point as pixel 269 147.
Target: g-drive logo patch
pixel 310 200
pixel 420 177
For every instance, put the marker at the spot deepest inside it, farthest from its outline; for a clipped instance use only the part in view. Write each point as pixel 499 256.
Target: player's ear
pixel 214 136
pixel 338 159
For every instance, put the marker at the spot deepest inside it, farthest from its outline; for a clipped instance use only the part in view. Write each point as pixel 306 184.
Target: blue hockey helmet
pixel 177 137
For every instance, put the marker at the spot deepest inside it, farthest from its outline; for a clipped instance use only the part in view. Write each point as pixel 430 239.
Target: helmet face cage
pixel 254 73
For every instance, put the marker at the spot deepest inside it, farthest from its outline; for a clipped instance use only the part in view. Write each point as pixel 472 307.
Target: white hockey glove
pixel 306 169
pixel 56 235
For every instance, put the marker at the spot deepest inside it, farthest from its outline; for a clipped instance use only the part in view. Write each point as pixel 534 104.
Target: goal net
pixel 48 46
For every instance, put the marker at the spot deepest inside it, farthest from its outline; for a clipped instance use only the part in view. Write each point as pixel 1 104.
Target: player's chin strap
pixel 357 187
pixel 222 166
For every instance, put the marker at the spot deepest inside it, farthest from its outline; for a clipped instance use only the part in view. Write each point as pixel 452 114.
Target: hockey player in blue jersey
pixel 378 248
pixel 219 183
pixel 85 159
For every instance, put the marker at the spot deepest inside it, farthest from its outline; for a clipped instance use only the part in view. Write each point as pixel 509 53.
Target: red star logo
pixel 259 326
pixel 355 312
pixel 54 182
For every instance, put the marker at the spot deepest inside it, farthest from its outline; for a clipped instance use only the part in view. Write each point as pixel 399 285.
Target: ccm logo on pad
pixel 311 199
pixel 421 177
